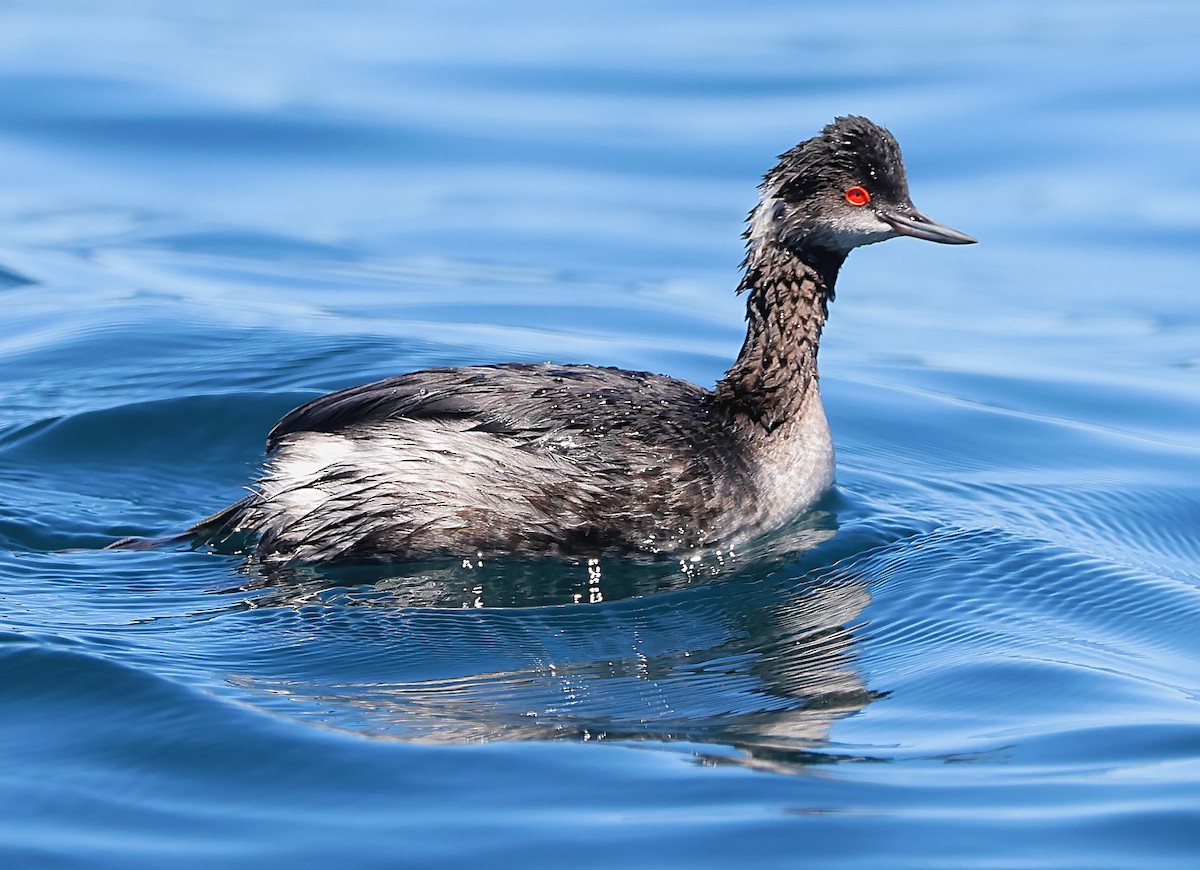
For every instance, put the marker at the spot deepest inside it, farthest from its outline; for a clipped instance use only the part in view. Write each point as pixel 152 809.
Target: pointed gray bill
pixel 911 222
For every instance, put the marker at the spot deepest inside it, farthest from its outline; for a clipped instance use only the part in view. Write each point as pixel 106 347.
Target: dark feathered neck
pixel 786 308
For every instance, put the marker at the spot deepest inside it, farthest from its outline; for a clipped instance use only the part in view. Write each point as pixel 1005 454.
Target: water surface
pixel 982 649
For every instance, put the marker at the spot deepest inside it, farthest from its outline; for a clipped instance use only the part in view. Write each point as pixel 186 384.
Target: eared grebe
pixel 530 459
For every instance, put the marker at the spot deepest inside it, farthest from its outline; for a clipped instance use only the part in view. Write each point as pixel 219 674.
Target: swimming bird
pixel 584 460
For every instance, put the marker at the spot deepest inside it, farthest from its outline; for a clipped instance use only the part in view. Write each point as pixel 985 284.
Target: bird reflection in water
pixel 752 653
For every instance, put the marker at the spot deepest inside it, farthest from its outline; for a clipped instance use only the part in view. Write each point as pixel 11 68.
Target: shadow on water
pixel 754 652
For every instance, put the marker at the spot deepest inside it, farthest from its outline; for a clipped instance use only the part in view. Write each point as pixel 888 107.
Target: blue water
pixel 988 654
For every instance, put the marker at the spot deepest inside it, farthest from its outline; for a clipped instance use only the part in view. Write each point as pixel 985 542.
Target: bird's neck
pixel 788 302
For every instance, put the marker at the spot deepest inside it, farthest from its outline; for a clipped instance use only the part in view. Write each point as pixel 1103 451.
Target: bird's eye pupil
pixel 857 195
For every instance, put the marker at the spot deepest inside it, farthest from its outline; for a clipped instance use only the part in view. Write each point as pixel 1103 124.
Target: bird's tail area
pixel 222 530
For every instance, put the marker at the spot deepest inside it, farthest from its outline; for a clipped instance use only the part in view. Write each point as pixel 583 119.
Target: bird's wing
pixel 505 399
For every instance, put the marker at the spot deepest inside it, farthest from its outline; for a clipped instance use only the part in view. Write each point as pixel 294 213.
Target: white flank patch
pixel 297 467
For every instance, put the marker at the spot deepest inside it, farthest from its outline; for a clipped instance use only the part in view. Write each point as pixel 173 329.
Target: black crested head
pixel 835 192
pixel 827 196
pixel 851 150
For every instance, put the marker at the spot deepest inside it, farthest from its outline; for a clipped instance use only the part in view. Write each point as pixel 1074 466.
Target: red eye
pixel 857 195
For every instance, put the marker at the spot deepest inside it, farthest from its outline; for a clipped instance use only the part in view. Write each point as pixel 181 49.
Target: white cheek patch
pixel 845 230
pixel 850 229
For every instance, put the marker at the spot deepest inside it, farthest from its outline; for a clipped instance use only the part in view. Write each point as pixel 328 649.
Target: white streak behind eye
pixel 762 221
